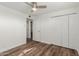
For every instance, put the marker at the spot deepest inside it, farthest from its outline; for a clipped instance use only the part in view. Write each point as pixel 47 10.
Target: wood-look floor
pixel 35 48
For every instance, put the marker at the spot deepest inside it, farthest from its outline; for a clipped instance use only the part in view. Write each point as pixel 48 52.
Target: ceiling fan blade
pixel 41 6
pixel 34 3
pixel 28 3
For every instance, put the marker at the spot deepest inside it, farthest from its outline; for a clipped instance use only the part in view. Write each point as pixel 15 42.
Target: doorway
pixel 29 30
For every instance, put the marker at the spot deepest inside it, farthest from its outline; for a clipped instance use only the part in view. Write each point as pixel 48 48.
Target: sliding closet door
pixel 74 31
pixel 55 30
pixel 60 30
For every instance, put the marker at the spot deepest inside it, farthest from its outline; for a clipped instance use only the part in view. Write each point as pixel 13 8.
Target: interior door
pixel 36 30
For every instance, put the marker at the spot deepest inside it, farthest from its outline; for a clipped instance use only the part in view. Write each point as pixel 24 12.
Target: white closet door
pixel 55 31
pixel 74 31
pixel 61 30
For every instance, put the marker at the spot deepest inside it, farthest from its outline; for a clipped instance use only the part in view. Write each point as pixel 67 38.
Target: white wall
pixel 12 28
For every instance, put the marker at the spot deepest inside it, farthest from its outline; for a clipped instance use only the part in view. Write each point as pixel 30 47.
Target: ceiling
pixel 51 6
pixel 19 6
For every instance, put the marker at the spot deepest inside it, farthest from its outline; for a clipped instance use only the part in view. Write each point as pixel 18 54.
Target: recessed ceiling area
pixel 51 6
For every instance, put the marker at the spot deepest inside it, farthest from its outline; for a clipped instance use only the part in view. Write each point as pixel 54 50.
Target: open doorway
pixel 29 30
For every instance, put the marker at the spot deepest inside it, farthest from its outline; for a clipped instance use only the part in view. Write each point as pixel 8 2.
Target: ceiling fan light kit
pixel 34 9
pixel 35 6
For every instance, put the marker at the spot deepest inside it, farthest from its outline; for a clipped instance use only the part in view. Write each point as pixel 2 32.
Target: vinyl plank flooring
pixel 35 48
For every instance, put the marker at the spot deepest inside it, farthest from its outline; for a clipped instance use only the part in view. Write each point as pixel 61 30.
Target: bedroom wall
pixel 12 28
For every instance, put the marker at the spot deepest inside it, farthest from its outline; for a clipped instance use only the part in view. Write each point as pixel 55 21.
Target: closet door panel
pixel 74 31
pixel 64 31
pixel 61 24
pixel 55 31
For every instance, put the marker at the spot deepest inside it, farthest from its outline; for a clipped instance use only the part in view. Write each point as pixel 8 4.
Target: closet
pixel 62 30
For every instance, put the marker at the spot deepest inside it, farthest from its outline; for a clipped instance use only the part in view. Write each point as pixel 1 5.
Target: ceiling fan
pixel 35 6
